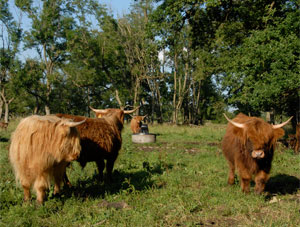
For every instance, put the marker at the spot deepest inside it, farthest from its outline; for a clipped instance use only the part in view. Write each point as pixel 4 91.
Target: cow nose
pixel 258 154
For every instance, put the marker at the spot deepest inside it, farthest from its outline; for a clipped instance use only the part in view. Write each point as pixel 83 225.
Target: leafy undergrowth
pixel 178 181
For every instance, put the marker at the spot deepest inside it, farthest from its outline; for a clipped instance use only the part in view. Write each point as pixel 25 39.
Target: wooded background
pixel 183 61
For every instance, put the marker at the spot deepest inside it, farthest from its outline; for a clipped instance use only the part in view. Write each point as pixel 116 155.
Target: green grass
pixel 178 181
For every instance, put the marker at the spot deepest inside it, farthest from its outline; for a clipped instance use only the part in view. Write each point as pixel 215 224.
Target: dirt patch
pixel 116 205
pixel 190 147
pixel 213 144
pixel 170 147
pixel 218 222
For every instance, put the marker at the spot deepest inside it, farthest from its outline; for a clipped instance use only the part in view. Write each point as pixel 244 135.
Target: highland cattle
pixel 41 148
pixel 248 146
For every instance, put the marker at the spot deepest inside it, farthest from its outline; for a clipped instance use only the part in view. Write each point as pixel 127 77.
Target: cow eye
pixel 249 145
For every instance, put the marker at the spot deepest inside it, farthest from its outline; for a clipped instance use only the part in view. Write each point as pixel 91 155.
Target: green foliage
pixel 265 74
pixel 244 54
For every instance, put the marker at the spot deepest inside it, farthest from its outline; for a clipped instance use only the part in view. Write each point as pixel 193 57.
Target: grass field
pixel 181 180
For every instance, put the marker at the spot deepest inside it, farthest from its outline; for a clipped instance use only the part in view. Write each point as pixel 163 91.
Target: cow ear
pixel 240 133
pixel 278 133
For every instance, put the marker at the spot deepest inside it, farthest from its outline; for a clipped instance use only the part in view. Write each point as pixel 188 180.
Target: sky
pixel 118 7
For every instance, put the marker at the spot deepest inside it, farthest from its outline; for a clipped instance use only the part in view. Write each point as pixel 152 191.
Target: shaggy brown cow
pixel 248 145
pixel 100 140
pixel 136 123
pixel 41 147
pixel 297 146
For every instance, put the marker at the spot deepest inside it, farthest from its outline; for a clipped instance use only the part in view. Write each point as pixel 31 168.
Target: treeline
pixel 183 61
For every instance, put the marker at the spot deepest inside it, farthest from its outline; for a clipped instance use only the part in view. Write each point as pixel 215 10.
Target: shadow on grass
pixel 2 139
pixel 123 181
pixel 282 184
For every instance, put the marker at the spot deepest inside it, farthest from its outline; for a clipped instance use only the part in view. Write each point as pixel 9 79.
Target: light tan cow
pixel 41 148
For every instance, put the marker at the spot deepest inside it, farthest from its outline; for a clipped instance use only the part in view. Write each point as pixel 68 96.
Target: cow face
pixel 257 136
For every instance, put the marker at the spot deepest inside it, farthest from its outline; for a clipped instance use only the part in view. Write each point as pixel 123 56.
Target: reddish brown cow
pixel 136 123
pixel 41 148
pixel 248 146
pixel 3 125
pixel 297 146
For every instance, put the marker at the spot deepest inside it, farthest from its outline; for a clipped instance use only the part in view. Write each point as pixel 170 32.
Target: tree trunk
pixel 6 104
pixel 174 120
pixel 1 107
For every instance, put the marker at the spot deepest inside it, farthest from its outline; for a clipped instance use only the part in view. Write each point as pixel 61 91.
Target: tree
pixel 50 25
pixel 265 73
pixel 10 40
pixel 174 21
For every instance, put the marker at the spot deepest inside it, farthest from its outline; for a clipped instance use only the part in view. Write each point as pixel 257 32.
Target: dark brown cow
pixel 248 146
pixel 297 146
pixel 100 140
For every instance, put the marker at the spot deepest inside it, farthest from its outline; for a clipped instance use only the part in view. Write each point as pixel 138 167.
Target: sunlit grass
pixel 178 181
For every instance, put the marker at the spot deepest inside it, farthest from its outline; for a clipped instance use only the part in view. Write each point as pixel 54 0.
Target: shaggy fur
pixel 112 112
pixel 136 123
pixel 41 147
pixel 239 144
pixel 100 140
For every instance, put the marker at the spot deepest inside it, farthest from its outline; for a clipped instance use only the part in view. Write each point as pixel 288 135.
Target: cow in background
pixel 41 148
pixel 106 112
pixel 136 123
pixel 3 125
pixel 248 146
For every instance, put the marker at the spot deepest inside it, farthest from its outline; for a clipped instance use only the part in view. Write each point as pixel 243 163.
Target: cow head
pixel 256 135
pixel 108 112
pixel 139 119
pixel 71 145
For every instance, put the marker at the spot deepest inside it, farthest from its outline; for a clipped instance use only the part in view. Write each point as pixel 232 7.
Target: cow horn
pixel 234 123
pixel 74 124
pixel 98 110
pixel 131 111
pixel 282 124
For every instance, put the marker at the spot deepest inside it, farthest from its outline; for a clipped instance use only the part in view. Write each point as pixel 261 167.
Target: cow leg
pixel 26 189
pixel 59 175
pixel 40 186
pixel 100 164
pixel 231 173
pixel 245 178
pixel 109 167
pixel 245 183
pixel 261 179
pixel 66 180
pixel 297 146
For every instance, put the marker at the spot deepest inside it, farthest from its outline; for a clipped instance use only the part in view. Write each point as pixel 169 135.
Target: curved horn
pixel 239 125
pixel 131 111
pixel 98 110
pixel 282 124
pixel 74 124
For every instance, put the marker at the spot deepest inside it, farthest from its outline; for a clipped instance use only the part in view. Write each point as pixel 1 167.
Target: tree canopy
pixel 182 61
